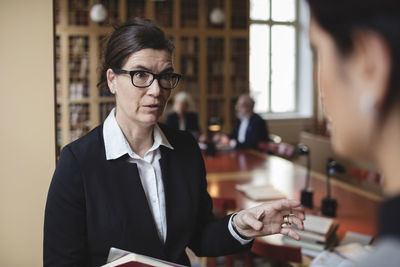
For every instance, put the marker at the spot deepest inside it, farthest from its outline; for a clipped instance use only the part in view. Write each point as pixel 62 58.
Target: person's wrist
pixel 234 227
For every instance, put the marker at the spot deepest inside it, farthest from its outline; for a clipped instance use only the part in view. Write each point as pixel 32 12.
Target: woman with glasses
pixel 357 44
pixel 137 185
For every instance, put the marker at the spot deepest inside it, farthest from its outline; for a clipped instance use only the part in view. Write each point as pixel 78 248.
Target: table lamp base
pixel 329 206
pixel 307 198
pixel 211 150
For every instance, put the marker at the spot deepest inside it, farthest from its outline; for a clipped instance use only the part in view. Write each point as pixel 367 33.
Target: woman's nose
pixel 154 88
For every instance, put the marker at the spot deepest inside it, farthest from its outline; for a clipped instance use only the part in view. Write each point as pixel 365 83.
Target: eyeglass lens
pixel 145 79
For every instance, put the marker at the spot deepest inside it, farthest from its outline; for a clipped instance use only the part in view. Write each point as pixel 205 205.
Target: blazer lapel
pixel 249 129
pixel 177 196
pixel 135 208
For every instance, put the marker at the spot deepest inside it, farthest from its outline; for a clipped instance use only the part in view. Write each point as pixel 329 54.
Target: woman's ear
pixel 111 81
pixel 373 63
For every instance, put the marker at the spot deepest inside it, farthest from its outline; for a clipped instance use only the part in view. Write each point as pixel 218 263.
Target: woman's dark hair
pixel 128 38
pixel 343 18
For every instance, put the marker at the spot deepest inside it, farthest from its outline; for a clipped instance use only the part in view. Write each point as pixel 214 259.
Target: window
pixel 275 45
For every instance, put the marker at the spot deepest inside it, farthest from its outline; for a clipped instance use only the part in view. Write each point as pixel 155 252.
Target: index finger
pixel 288 204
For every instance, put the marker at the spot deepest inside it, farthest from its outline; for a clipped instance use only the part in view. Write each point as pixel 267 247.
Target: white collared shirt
pixel 149 170
pixel 182 124
pixel 149 167
pixel 244 123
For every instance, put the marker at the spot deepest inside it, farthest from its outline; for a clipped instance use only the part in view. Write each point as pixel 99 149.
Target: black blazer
pixel 191 122
pixel 94 204
pixel 256 131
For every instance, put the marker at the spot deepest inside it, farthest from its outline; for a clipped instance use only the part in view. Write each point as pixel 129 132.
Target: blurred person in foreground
pixel 182 118
pixel 249 129
pixel 357 44
pixel 137 185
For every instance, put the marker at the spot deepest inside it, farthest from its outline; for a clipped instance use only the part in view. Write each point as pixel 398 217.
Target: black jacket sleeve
pixel 65 242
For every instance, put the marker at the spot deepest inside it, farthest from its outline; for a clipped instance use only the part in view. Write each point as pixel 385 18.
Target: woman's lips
pixel 152 107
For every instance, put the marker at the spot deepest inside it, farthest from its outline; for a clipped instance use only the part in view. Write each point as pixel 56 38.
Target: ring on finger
pixel 286 220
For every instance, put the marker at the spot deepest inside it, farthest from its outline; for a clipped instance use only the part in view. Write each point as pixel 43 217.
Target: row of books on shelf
pixel 189 45
pixel 216 67
pixel 79 67
pixel 237 66
pixel 215 86
pixel 74 133
pixel 240 85
pixel 78 90
pixel 191 87
pixel 189 66
pixel 79 113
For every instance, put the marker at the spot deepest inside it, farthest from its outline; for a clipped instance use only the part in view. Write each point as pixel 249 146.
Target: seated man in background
pixel 182 118
pixel 249 129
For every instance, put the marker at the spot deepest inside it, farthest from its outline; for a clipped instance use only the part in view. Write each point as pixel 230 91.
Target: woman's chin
pixel 150 119
pixel 347 150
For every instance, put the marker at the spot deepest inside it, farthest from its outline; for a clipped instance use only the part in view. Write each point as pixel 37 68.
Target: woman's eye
pixel 141 75
pixel 167 76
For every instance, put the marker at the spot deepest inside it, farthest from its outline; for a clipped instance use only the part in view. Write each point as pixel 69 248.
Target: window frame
pixel 304 106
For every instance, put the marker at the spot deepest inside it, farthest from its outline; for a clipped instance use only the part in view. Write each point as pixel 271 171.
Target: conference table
pixel 356 209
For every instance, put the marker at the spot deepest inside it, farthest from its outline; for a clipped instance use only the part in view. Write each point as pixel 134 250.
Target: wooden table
pixel 356 208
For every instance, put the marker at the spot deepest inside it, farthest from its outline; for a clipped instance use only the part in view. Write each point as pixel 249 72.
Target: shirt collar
pixel 245 117
pixel 159 139
pixel 116 144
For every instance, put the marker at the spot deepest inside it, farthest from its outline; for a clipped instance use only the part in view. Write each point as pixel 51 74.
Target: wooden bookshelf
pixel 212 58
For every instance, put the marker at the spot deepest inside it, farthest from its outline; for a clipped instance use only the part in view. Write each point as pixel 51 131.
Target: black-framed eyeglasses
pixel 143 78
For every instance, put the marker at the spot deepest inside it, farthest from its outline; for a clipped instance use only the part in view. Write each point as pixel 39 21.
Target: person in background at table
pixel 249 129
pixel 182 118
pixel 140 186
pixel 357 45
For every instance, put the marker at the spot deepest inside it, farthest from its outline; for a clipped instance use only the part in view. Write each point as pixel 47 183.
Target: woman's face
pixel 141 106
pixel 181 107
pixel 242 107
pixel 340 87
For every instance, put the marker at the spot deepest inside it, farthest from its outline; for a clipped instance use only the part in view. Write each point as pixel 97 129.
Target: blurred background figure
pixel 357 44
pixel 249 128
pixel 183 118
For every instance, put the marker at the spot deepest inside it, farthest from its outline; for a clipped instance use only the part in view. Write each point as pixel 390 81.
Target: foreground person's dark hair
pixel 343 18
